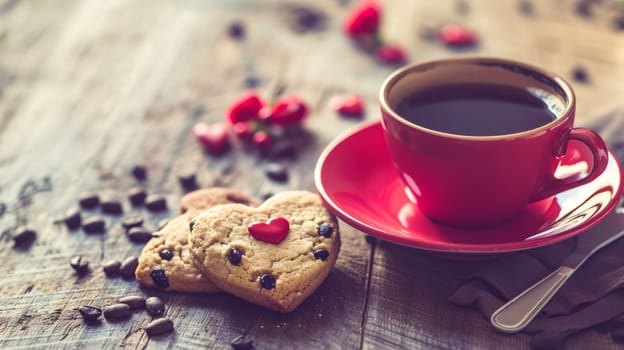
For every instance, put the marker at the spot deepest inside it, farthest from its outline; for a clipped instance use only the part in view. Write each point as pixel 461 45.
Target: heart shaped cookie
pixel 279 276
pixel 166 262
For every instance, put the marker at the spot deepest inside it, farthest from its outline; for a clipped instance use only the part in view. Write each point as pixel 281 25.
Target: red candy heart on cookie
pixel 273 231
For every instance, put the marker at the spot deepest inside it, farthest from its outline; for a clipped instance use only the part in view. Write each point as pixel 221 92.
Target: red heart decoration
pixel 273 231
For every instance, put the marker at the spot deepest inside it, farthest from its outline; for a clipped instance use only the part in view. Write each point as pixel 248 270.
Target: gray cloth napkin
pixel 592 298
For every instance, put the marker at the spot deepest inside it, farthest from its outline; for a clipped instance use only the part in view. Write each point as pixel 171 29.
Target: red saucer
pixel 359 184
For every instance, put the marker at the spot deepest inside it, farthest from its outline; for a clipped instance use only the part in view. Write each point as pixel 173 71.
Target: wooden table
pixel 90 88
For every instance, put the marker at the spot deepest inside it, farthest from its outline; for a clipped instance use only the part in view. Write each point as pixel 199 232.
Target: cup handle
pixel 600 153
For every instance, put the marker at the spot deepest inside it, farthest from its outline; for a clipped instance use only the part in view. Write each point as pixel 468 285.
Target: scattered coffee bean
pixel 241 343
pixel 188 182
pixel 128 267
pixel 94 224
pixel 276 172
pixel 267 196
pixel 132 221
pixel 162 223
pixel 154 306
pixel 580 74
pixel 159 326
pixel 79 263
pixel 117 311
pixel 134 301
pixel 23 236
pixel 72 218
pixel 304 19
pixel 325 230
pixel 159 278
pixel 321 254
pixel 283 149
pixel 166 254
pixel 137 195
pixel 90 313
pixel 526 7
pixel 235 256
pixel 88 200
pixel 236 30
pixel 583 8
pixel 139 235
pixel 139 172
pixel 111 268
pixel 267 281
pixel 111 206
pixel 155 202
pixel 191 225
pixel 251 81
pixel 618 22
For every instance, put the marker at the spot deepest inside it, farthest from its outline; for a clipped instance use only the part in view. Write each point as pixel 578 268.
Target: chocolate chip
pixel 159 326
pixel 111 268
pixel 94 224
pixel 580 74
pixel 139 172
pixel 139 235
pixel 325 230
pixel 128 267
pixel 116 311
pixel 235 256
pixel 134 301
pixel 72 218
pixel 276 172
pixel 159 278
pixel 321 254
pixel 236 31
pixel 132 221
pixel 111 206
pixel 188 182
pixel 166 254
pixel 267 281
pixel 80 264
pixel 137 195
pixel 23 236
pixel 90 313
pixel 154 306
pixel 88 200
pixel 191 225
pixel 241 343
pixel 162 223
pixel 155 202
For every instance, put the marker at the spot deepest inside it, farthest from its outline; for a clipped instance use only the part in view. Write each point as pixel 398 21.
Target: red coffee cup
pixel 473 181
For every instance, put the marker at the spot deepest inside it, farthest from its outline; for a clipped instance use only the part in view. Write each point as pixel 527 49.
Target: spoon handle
pixel 517 313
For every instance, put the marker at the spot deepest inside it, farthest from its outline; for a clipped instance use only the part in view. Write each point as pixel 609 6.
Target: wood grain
pixel 90 88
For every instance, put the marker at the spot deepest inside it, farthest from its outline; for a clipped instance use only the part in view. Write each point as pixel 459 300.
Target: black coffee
pixel 479 109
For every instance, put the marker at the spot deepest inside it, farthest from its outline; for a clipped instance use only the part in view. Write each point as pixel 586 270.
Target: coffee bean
pixel 155 202
pixel 166 254
pixel 139 172
pixel 154 306
pixel 188 182
pixel 159 278
pixel 159 326
pixel 321 254
pixel 23 236
pixel 267 281
pixel 283 149
pixel 583 8
pixel 241 343
pixel 132 221
pixel 94 224
pixel 90 313
pixel 162 223
pixel 251 81
pixel 111 206
pixel 128 267
pixel 79 263
pixel 72 218
pixel 580 74
pixel 526 7
pixel 276 172
pixel 134 301
pixel 117 311
pixel 112 267
pixel 325 230
pixel 88 200
pixel 191 225
pixel 267 196
pixel 236 31
pixel 235 256
pixel 137 195
pixel 618 22
pixel 139 235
